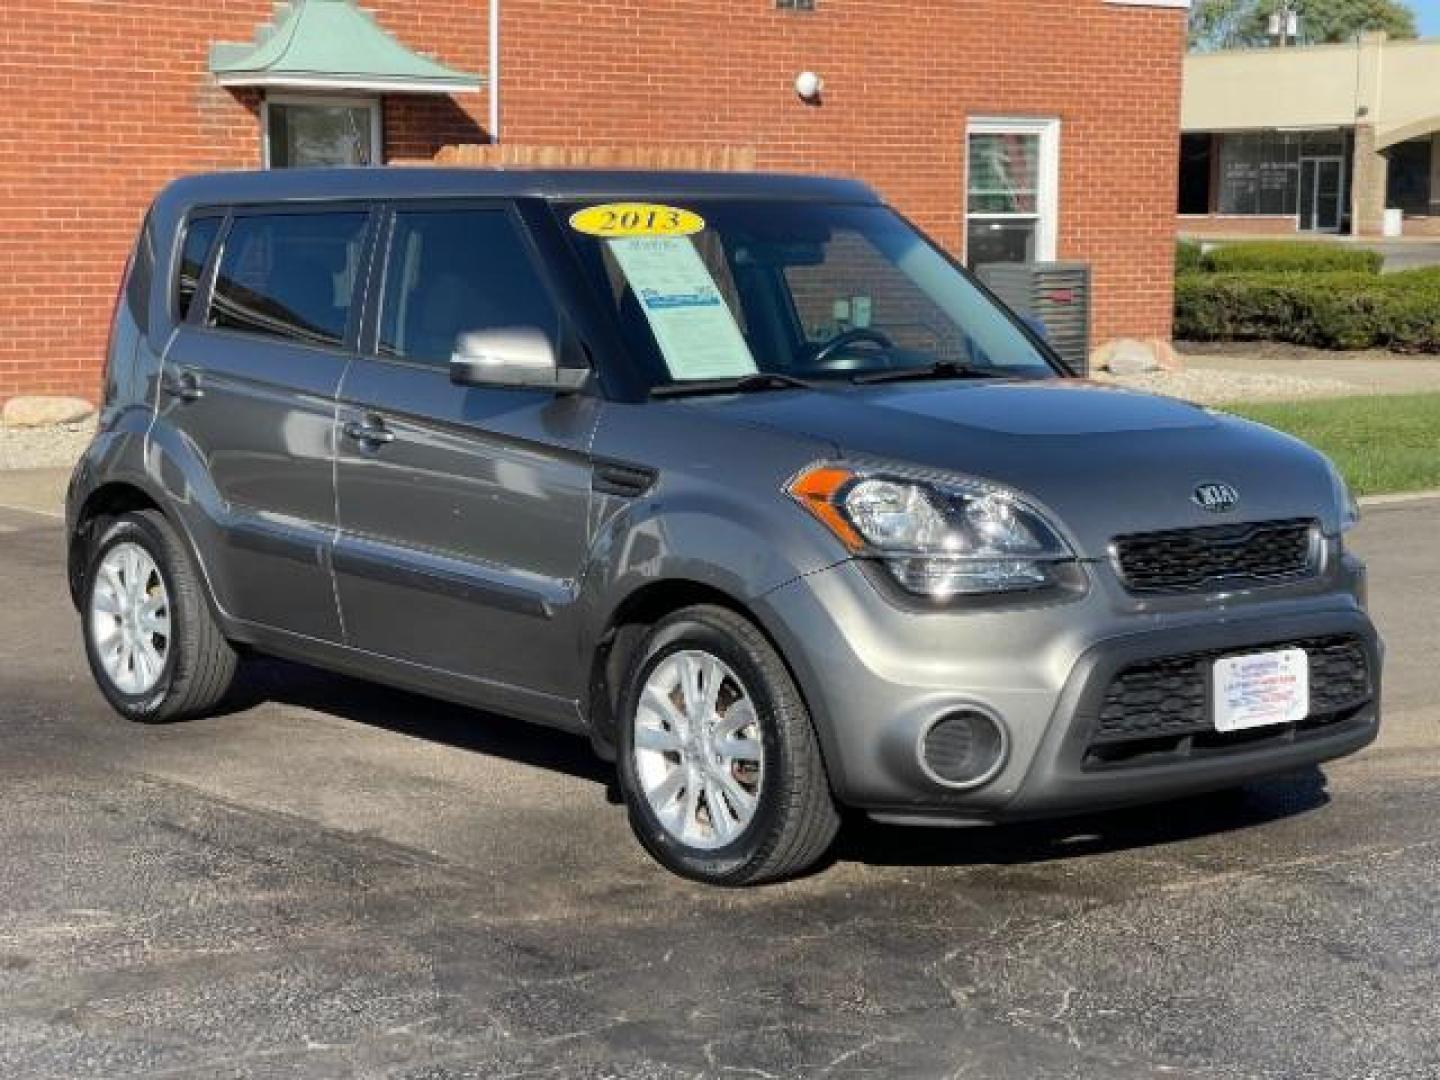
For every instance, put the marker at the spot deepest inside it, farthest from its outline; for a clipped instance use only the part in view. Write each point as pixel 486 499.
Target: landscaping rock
pixel 1167 357
pixel 1126 356
pixel 38 411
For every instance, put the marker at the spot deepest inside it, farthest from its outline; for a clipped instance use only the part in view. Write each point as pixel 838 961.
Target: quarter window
pixel 142 272
pixel 194 254
pixel 451 272
pixel 1011 191
pixel 289 276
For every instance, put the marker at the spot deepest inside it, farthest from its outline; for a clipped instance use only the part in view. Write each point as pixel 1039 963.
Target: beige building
pixel 1317 139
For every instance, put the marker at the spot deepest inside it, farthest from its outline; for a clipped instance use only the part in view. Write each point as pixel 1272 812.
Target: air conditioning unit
pixel 1054 294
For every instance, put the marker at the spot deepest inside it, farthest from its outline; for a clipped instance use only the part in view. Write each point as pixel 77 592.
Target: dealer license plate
pixel 1261 689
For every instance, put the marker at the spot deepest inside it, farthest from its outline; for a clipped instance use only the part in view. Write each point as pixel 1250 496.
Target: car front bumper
pixel 876 675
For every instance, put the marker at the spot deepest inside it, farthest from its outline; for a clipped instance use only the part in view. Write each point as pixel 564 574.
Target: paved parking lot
pixel 338 880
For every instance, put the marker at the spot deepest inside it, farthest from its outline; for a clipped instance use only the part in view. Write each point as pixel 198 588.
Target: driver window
pixel 856 288
pixel 450 272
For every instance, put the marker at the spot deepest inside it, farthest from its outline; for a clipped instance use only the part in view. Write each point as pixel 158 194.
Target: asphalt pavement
pixel 339 880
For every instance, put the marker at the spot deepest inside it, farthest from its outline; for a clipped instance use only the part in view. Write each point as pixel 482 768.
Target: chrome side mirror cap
pixel 517 357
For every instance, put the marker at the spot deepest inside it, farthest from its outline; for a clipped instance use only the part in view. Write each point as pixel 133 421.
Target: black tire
pixel 795 819
pixel 199 664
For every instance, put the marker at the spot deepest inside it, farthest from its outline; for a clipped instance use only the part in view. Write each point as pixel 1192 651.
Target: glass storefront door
pixel 1322 194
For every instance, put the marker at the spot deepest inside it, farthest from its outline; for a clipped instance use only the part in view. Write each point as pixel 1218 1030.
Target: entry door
pixel 462 510
pixel 249 399
pixel 1322 184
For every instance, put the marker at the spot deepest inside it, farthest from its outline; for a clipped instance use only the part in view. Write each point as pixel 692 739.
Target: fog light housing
pixel 963 749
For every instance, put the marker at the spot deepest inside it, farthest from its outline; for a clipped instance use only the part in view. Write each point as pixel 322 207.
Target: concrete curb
pixel 1400 498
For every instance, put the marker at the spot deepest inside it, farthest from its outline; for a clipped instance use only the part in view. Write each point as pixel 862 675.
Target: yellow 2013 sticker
pixel 636 219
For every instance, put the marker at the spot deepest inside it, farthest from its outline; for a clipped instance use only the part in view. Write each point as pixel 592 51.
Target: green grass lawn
pixel 1381 444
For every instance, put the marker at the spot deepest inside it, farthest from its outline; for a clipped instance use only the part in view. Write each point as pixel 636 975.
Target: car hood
pixel 1101 461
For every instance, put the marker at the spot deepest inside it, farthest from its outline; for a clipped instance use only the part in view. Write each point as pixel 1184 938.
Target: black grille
pixel 1171 696
pixel 1183 560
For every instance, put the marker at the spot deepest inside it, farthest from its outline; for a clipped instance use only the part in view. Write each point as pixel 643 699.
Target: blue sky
pixel 1427 13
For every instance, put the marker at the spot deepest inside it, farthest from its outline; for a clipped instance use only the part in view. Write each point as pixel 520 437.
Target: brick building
pixel 1007 128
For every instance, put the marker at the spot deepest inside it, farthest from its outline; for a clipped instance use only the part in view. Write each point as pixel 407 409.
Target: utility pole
pixel 1285 25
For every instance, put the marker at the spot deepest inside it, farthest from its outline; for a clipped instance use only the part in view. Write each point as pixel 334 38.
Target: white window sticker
pixel 697 333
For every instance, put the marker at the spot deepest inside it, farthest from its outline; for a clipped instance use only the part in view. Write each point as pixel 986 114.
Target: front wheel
pixel 154 647
pixel 719 762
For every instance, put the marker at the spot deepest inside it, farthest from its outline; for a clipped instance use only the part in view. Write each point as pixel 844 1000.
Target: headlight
pixel 937 538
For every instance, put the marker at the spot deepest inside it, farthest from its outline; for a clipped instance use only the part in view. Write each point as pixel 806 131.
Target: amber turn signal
pixel 816 489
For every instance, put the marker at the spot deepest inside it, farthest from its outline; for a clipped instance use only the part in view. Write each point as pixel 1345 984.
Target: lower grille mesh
pixel 1171 696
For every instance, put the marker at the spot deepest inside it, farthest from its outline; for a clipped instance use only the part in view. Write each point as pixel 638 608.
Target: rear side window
pixel 142 273
pixel 194 254
pixel 451 272
pixel 289 276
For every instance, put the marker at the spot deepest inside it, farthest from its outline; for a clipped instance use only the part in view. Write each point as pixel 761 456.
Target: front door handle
pixel 371 431
pixel 184 385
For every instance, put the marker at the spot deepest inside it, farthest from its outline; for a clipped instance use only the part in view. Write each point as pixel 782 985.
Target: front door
pixel 462 510
pixel 1322 193
pixel 249 396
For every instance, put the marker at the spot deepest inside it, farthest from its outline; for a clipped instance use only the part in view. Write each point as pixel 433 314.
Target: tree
pixel 1232 24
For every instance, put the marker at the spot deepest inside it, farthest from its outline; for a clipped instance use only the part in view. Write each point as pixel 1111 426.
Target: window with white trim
pixel 1012 190
pixel 306 131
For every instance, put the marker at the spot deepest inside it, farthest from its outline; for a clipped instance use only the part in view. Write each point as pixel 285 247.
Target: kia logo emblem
pixel 1217 498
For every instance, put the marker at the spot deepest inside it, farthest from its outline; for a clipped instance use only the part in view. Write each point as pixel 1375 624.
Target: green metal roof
pixel 332 45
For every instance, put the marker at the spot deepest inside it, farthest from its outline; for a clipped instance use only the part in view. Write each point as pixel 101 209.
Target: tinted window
pixel 142 272
pixel 199 239
pixel 289 276
pixel 450 272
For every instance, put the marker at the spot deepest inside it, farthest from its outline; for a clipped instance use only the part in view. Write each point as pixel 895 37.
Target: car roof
pixel 399 182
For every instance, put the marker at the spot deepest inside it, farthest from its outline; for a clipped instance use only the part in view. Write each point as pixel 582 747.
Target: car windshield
pixel 724 290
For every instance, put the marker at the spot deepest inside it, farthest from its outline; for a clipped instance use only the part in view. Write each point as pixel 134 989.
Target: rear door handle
pixel 371 431
pixel 184 385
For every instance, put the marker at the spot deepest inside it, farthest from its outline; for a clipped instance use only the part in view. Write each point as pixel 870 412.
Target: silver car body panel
pixel 483 550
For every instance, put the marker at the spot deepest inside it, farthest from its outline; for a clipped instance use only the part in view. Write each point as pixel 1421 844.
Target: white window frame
pixel 1047 197
pixel 373 104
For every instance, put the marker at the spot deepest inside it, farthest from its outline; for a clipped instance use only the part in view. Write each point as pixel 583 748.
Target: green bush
pixel 1327 310
pixel 1290 257
pixel 1189 257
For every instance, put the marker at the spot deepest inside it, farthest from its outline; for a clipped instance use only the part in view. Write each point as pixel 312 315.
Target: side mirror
pixel 519 357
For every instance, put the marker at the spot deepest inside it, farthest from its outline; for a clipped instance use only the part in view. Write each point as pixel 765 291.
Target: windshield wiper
pixel 746 384
pixel 941 369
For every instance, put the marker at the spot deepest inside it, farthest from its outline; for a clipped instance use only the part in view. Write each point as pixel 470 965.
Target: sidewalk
pixel 35 491
pixel 1373 372
pixel 1217 373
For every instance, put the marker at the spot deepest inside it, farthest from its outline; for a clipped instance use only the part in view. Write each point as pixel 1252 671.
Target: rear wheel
pixel 718 759
pixel 152 643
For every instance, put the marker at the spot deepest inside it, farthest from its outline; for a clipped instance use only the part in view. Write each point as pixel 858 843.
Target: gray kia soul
pixel 738 475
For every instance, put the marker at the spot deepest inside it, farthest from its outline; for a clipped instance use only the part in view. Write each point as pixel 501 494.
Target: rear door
pixel 248 394
pixel 462 510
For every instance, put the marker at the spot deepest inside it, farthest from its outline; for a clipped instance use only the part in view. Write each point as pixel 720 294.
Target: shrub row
pixel 1189 257
pixel 1326 310
pixel 1276 256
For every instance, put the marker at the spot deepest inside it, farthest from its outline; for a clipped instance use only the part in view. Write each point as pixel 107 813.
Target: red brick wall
pixel 1238 225
pixel 901 79
pixel 107 101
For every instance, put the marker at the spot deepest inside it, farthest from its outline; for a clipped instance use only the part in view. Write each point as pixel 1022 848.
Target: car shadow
pixel 266 680
pixel 1148 826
